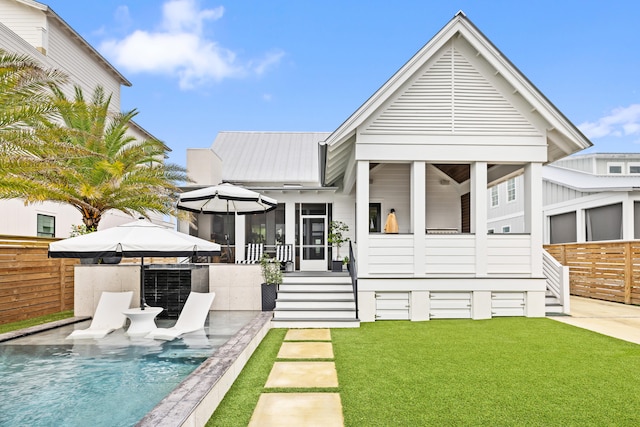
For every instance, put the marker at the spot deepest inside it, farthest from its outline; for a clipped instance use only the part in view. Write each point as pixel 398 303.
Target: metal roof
pixel 270 157
pixel 586 182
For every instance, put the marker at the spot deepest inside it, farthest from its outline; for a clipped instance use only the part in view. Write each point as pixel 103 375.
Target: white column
pixel 581 229
pixel 418 221
pixel 479 214
pixel 627 218
pixel 533 214
pixel 205 223
pixel 290 223
pixel 240 237
pixel 362 216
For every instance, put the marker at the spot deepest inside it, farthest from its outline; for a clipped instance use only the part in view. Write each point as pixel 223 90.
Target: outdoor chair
pixel 254 254
pixel 284 255
pixel 192 317
pixel 108 316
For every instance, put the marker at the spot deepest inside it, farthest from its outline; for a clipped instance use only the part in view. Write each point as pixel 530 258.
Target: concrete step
pixel 316 304
pixel 313 313
pixel 315 295
pixel 315 323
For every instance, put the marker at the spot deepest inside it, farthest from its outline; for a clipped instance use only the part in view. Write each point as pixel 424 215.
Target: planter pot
pixel 112 260
pixel 336 266
pixel 269 294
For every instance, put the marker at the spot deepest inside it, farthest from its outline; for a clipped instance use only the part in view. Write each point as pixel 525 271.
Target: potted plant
pixel 272 276
pixel 337 238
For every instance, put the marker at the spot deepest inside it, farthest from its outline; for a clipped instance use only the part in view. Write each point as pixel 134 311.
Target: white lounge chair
pixel 108 316
pixel 192 317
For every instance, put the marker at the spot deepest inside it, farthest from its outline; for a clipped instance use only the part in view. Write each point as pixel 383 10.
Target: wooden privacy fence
pixel 31 284
pixel 608 271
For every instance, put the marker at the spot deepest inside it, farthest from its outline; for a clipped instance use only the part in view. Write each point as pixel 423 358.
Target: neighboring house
pixel 33 28
pixel 457 118
pixel 589 197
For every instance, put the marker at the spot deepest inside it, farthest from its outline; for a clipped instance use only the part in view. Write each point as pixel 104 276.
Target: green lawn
pixel 499 372
pixel 10 327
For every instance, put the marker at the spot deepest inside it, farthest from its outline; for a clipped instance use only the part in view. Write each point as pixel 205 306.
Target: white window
pixel 634 168
pixel 614 168
pixel 494 196
pixel 506 229
pixel 511 190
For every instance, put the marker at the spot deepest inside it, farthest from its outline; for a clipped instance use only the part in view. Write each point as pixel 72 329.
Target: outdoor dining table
pixel 142 321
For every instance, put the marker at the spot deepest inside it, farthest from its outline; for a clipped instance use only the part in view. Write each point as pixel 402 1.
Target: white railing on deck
pixel 509 253
pixel 557 279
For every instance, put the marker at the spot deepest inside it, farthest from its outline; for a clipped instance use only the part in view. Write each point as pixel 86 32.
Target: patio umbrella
pixel 134 239
pixel 224 199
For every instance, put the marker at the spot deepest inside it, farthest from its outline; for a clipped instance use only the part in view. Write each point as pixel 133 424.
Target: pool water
pixel 114 381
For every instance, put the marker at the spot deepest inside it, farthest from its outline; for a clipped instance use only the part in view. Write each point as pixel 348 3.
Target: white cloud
pixel 178 48
pixel 621 122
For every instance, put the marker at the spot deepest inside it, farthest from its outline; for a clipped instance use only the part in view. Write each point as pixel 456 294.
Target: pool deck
pixel 198 395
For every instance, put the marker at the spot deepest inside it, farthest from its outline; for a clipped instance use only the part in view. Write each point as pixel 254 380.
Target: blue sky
pixel 199 66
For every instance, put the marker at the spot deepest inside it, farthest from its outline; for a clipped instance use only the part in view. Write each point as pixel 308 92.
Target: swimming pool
pixel 114 381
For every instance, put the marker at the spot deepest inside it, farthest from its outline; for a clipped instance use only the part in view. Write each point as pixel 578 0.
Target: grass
pixel 10 327
pixel 499 372
pixel 238 405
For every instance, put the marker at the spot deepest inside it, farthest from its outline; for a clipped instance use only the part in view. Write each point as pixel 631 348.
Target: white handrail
pixel 557 280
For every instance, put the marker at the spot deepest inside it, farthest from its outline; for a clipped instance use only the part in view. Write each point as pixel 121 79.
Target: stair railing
pixel 557 276
pixel 354 275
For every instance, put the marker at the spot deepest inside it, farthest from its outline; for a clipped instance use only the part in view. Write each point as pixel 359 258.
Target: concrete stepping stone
pixel 308 335
pixel 306 350
pixel 302 375
pixel 298 410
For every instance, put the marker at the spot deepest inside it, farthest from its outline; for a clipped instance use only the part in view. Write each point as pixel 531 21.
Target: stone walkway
pixel 302 364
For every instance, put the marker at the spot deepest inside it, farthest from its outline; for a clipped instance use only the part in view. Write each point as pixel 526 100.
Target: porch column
pixel 581 229
pixel 240 237
pixel 418 221
pixel 628 217
pixel 362 216
pixel 533 214
pixel 479 214
pixel 290 223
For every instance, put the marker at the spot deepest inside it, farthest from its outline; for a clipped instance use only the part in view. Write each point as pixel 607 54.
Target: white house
pixel 456 119
pixel 33 28
pixel 587 197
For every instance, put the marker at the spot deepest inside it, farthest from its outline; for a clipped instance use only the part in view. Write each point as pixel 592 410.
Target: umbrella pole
pixel 142 300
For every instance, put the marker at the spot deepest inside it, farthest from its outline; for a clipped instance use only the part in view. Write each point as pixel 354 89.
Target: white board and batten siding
pixel 509 253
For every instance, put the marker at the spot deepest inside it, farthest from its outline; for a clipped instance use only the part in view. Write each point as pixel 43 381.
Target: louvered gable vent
pixel 450 96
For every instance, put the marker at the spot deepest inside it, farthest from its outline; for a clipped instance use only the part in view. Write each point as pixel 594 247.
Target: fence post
pixel 628 272
pixel 61 272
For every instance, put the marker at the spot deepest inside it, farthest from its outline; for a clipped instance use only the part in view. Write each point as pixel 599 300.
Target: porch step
pixel 315 323
pixel 312 313
pixel 316 304
pixel 315 301
pixel 315 295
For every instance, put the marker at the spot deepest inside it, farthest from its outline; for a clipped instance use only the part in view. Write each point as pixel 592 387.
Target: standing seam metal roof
pixel 270 157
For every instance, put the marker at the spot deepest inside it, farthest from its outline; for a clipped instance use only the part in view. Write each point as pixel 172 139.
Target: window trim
pixel 615 164
pixel 633 164
pixel 494 192
pixel 515 191
pixel 508 229
pixel 38 223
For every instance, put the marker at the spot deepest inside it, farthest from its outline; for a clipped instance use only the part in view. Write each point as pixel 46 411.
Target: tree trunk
pixel 91 218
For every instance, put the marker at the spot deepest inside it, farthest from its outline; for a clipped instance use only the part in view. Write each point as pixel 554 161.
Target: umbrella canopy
pixel 225 198
pixel 135 239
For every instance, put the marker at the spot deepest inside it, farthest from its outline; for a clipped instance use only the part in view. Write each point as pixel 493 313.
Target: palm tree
pixel 87 159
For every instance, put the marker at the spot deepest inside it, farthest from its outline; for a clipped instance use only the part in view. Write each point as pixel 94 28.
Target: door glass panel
pixel 313 238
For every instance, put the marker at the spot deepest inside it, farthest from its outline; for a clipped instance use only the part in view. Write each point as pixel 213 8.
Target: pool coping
pixel 195 399
pixel 40 328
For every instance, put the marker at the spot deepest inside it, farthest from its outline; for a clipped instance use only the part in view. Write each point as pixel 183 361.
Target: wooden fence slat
pixel 608 271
